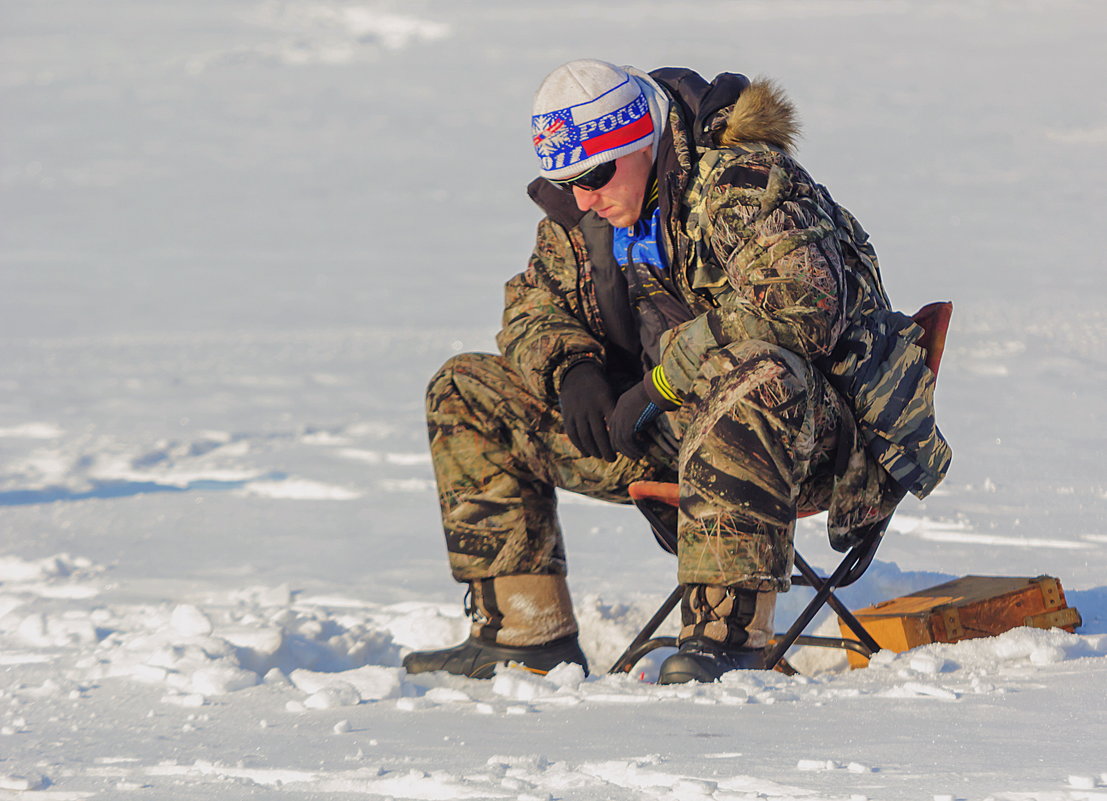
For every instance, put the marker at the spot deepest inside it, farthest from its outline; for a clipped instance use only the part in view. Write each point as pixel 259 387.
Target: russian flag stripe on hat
pixel 575 137
pixel 639 129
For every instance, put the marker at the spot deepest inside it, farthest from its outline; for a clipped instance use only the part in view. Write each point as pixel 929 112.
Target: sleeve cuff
pixel 660 391
pixel 568 364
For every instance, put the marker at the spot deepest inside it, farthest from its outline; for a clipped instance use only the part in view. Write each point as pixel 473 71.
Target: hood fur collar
pixel 762 113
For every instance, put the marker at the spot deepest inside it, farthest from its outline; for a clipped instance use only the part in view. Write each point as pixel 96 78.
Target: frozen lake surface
pixel 238 237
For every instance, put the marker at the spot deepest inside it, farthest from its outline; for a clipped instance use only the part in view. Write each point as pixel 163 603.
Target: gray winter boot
pixel 527 620
pixel 724 629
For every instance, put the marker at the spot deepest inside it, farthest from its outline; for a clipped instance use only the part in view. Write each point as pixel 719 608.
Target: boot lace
pixel 472 610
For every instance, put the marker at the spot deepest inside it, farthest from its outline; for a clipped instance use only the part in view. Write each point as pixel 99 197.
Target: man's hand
pixel 636 410
pixel 586 402
pixel 633 413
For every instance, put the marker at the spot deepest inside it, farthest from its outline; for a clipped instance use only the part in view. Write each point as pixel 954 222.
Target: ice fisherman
pixel 699 310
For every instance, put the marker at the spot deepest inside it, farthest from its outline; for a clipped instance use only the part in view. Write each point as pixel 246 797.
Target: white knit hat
pixel 587 112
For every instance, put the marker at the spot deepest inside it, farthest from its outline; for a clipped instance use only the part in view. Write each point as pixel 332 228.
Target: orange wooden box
pixel 973 606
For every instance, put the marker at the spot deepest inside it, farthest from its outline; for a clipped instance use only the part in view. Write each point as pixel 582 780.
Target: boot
pixel 724 629
pixel 527 620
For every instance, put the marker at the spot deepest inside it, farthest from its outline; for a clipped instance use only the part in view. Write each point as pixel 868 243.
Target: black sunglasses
pixel 595 178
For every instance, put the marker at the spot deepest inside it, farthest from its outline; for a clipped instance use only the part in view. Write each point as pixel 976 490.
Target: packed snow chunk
pixel 14 569
pixel 333 696
pixel 350 687
pixel 533 763
pixel 263 640
pixel 33 629
pixel 1038 646
pixel 147 674
pixel 374 682
pixel 1082 782
pixel 1047 656
pixel 316 641
pixel 413 704
pixel 882 658
pixel 518 684
pixel 8 604
pixel 72 631
pixel 567 675
pixel 275 678
pixel 188 621
pixel 694 788
pixel 258 647
pixel 913 689
pixel 20 783
pixel 447 695
pixel 425 626
pixel 220 679
pixel 42 630
pixel 817 764
pixel 928 663
pixel 309 681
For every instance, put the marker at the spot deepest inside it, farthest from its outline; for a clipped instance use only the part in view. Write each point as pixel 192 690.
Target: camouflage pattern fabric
pixel 761 430
pixel 751 440
pixel 548 323
pixel 760 250
pixel 767 255
pixel 803 390
pixel 499 451
pixel 784 263
pixel 767 439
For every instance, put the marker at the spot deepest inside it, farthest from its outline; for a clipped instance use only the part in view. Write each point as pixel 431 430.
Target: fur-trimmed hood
pixel 762 113
pixel 731 109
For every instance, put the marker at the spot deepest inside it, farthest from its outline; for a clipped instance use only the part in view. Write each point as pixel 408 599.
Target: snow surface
pixel 239 236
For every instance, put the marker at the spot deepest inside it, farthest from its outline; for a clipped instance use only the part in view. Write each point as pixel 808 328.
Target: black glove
pixel 586 402
pixel 633 414
pixel 636 410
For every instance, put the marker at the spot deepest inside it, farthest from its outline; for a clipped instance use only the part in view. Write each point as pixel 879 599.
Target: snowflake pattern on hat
pixel 564 137
pixel 552 131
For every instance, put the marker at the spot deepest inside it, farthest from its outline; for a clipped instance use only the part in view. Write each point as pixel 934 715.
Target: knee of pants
pixel 759 361
pixel 444 384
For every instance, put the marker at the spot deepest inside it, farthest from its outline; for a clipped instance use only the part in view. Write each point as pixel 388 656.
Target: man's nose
pixel 584 198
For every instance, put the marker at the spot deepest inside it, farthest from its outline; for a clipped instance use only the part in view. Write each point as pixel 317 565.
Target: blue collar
pixel 640 243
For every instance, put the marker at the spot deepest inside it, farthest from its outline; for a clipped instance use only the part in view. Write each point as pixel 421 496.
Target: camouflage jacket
pixel 757 250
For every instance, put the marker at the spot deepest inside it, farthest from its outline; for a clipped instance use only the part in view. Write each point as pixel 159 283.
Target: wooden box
pixel 973 606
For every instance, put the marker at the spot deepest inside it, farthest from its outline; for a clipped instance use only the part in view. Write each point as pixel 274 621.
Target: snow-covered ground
pixel 239 236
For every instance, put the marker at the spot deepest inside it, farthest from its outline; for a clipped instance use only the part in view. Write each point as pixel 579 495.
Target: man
pixel 696 309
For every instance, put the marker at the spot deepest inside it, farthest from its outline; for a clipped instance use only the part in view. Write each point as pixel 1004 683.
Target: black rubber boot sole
pixel 707 664
pixel 478 659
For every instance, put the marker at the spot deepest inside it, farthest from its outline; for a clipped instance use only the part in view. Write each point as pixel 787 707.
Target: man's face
pixel 619 201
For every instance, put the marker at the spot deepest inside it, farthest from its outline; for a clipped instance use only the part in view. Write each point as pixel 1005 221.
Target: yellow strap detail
pixel 664 388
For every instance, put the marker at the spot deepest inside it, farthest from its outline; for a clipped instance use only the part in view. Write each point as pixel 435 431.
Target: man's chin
pixel 620 219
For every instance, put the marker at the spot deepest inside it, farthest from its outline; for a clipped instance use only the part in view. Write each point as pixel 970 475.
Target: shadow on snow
pixel 118 489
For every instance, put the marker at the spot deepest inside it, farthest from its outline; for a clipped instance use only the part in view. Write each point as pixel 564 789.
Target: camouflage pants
pixel 758 443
